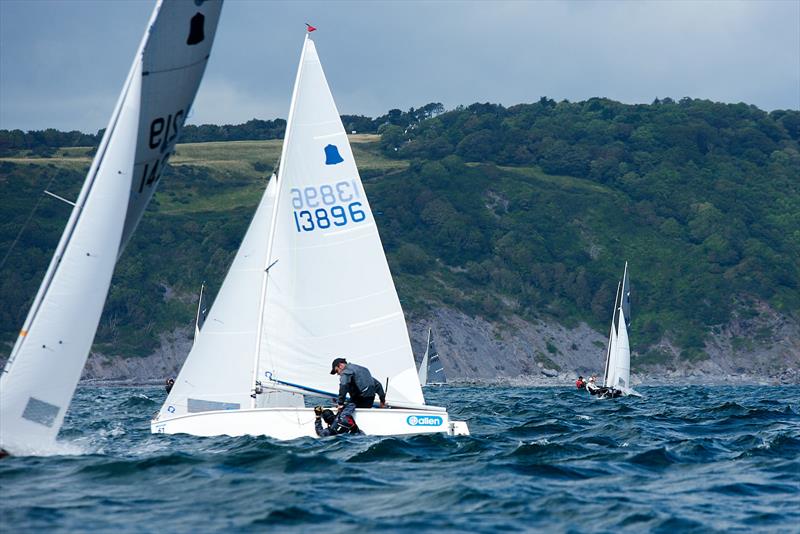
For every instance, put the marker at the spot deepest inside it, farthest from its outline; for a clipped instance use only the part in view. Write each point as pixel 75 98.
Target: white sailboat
pixel 431 370
pixel 45 364
pixel 617 374
pixel 309 283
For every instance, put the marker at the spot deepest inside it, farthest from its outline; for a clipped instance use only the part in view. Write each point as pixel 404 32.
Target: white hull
pixel 292 423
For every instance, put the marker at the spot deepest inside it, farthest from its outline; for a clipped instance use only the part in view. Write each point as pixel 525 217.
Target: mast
pixel 270 262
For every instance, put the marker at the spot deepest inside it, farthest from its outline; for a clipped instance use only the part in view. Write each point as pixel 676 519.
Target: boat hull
pixel 292 423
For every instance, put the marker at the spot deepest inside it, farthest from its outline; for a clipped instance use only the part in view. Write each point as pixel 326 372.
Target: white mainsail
pixel 328 289
pixel 618 356
pixel 45 364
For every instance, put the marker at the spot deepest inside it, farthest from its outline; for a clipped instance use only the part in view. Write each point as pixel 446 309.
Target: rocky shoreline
pixel 523 353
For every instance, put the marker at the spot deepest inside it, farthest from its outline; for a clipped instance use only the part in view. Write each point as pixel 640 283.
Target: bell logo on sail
pixel 196 31
pixel 424 420
pixel 332 156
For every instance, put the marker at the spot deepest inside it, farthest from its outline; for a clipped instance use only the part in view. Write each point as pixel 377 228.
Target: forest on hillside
pixel 528 210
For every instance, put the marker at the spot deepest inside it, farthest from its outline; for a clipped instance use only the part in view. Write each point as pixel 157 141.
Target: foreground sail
pixel 45 364
pixel 431 370
pixel 323 290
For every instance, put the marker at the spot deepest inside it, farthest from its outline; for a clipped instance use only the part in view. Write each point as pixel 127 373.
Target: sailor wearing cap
pixel 357 381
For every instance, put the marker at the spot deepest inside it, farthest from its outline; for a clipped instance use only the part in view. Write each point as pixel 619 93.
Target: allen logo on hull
pixel 424 420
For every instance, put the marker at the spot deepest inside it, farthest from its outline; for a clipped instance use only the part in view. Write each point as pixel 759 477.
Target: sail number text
pixel 163 133
pixel 327 205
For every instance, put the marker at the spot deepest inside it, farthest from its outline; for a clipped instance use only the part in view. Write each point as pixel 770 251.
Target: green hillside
pixel 528 211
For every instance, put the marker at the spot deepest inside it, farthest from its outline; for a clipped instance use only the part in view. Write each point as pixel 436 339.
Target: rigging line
pixel 25 225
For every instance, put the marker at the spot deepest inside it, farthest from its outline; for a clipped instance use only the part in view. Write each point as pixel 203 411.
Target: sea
pixel 540 459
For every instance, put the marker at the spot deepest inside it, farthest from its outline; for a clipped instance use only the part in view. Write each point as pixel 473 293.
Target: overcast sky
pixel 62 63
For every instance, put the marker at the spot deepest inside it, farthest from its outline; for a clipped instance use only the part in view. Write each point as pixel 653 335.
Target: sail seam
pixel 174 69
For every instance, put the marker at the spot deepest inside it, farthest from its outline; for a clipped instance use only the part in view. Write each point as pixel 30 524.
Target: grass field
pixel 229 158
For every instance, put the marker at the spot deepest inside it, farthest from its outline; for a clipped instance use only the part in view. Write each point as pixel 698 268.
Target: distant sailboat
pixel 45 364
pixel 202 312
pixel 616 377
pixel 431 370
pixel 309 283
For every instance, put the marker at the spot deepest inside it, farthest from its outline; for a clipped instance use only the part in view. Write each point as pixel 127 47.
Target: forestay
pixel 328 290
pixel 51 350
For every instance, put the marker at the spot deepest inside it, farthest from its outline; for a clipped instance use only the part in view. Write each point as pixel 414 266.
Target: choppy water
pixel 681 459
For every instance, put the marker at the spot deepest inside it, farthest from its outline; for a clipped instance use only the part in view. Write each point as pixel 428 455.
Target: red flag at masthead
pixel 309 27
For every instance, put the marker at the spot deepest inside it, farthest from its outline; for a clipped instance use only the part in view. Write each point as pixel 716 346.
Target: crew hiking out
pixel 341 423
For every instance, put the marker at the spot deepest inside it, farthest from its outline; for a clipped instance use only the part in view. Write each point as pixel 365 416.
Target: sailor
pixel 579 383
pixel 341 423
pixel 610 393
pixel 592 387
pixel 358 382
pixel 169 384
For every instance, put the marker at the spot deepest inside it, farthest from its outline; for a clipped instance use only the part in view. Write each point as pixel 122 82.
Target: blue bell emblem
pixel 332 156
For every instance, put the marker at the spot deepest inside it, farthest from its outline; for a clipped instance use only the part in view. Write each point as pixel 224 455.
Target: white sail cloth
pixel 619 361
pixel 618 357
pixel 218 372
pixel 329 292
pixel 45 365
pixel 423 365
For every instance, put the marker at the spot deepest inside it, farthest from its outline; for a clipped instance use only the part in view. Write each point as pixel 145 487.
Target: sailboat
pixel 45 364
pixel 202 312
pixel 617 374
pixel 309 283
pixel 431 370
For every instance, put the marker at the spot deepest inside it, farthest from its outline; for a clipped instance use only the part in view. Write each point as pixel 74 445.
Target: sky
pixel 62 63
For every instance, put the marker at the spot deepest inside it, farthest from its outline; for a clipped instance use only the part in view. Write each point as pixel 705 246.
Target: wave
pixel 682 459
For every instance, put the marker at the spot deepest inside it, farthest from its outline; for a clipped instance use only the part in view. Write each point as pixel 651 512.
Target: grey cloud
pixel 379 55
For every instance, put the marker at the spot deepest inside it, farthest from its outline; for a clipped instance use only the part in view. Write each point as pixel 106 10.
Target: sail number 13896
pixel 326 206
